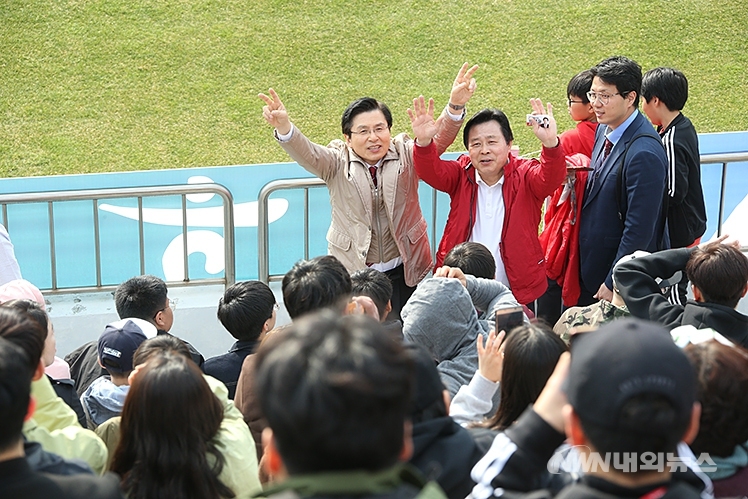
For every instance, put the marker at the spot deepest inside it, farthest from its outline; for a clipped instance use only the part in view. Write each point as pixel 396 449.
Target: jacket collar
pixel 356 482
pixel 241 346
pixel 612 160
pixel 676 121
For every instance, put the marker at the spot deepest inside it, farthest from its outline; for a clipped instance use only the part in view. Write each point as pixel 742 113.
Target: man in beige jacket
pixel 376 218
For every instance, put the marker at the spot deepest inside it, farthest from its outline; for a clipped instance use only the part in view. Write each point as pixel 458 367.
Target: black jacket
pixel 227 367
pixel 641 292
pixel 686 214
pixel 40 460
pixel 523 460
pixel 17 480
pixel 445 452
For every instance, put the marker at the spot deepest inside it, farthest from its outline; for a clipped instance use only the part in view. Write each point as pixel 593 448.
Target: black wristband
pixel 456 107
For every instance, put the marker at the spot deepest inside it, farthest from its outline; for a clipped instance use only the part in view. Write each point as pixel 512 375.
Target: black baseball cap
pixel 622 359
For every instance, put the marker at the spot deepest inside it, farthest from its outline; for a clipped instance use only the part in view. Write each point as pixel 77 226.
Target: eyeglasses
pixel 570 102
pixel 604 98
pixel 276 306
pixel 172 305
pixel 378 131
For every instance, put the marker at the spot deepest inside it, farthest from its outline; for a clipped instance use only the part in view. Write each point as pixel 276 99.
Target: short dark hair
pixel 722 390
pixel 335 391
pixel 163 343
pixel 720 272
pixel 579 85
pixel 24 332
pixel 374 284
pixel 15 391
pixel 484 116
pixel 141 297
pixel 244 308
pixel 647 422
pixel 33 310
pixel 530 355
pixel 363 105
pixel 472 258
pixel 314 284
pixel 622 72
pixel 667 84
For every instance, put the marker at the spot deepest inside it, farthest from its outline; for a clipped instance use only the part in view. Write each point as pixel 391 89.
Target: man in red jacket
pixel 496 197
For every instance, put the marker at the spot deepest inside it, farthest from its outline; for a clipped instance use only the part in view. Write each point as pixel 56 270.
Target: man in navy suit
pixel 619 217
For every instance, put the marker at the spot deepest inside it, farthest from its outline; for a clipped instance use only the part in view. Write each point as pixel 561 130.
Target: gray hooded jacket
pixel 441 316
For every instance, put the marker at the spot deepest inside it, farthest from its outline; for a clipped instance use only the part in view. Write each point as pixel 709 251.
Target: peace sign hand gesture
pixel 464 86
pixel 275 112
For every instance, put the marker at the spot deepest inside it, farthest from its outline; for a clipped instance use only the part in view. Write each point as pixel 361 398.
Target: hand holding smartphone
pixel 509 318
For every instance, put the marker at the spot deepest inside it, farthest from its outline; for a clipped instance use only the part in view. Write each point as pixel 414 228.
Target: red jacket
pixel 560 236
pixel 580 139
pixel 527 182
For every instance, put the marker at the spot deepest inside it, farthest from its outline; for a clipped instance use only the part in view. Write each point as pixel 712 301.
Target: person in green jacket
pixel 335 391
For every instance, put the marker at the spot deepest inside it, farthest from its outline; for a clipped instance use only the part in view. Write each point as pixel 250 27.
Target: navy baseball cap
pixel 118 343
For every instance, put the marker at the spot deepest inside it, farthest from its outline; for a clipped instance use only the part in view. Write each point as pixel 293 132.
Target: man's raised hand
pixel 463 87
pixel 275 113
pixel 422 121
pixel 547 135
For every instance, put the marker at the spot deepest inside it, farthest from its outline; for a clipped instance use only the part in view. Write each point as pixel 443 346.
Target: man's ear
pixel 693 426
pixel 39 371
pixel 31 409
pixel 631 97
pixel 697 293
pixel 573 426
pixel 272 461
pixel 388 308
pixel 158 320
pixel 407 451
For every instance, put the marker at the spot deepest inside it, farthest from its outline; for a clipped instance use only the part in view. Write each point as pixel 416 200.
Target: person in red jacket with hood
pixel 496 197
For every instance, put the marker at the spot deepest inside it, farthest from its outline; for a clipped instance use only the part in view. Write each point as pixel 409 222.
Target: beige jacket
pixel 347 179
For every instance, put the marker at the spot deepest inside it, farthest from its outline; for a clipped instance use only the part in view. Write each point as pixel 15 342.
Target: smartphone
pixel 509 318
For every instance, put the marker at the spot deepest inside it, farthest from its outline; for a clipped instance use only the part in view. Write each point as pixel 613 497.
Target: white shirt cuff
pixel 285 137
pixel 456 117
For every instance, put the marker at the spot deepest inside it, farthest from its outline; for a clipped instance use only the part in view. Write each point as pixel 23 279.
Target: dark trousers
pixel 400 291
pixel 549 305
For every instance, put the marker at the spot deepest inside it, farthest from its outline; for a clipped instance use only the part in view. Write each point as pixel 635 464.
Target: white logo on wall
pixel 208 242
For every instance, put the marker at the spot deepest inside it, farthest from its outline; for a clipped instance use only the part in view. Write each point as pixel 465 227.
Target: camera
pixel 543 120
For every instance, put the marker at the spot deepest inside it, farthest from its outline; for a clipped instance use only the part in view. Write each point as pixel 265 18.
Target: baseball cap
pixel 118 343
pixel 622 359
pixel 21 289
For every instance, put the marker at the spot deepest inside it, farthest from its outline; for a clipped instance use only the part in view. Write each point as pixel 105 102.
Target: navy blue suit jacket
pixel 603 237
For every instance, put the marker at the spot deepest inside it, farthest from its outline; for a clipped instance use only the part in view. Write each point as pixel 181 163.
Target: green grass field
pixel 114 85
